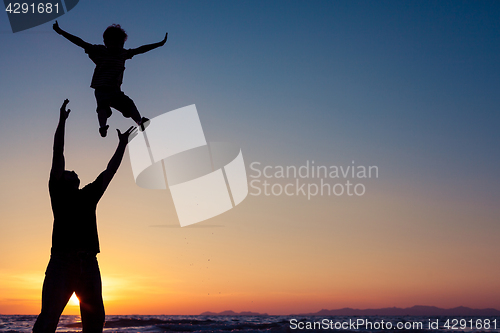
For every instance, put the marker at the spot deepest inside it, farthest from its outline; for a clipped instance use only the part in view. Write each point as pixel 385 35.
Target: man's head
pixel 71 179
pixel 114 36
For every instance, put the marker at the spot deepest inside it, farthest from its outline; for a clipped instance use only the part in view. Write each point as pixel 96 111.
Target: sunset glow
pixel 74 300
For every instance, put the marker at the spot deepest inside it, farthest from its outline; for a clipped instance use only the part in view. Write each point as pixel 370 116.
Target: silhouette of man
pixel 73 264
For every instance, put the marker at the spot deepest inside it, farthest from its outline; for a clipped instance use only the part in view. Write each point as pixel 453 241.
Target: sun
pixel 74 300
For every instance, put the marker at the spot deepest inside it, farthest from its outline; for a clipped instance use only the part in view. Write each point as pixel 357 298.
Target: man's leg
pixel 56 292
pixel 89 292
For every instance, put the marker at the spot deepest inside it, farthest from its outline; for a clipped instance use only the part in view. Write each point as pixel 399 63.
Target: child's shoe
pixel 104 131
pixel 143 124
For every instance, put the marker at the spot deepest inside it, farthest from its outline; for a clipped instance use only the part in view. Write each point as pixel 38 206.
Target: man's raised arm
pixel 116 160
pixel 149 47
pixel 75 40
pixel 58 154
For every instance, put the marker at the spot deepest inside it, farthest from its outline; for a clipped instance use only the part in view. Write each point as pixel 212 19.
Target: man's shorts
pixel 114 98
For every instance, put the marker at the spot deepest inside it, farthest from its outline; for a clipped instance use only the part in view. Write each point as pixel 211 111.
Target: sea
pixel 200 323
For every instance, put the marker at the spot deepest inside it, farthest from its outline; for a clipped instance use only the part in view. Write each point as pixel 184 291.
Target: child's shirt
pixel 109 65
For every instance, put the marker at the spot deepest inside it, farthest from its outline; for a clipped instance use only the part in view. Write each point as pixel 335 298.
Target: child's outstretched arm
pixel 75 40
pixel 149 47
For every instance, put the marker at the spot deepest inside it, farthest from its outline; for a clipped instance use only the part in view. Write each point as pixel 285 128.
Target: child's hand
pixel 56 27
pixel 164 39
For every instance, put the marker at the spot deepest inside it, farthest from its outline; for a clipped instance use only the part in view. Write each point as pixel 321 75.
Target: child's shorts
pixel 114 98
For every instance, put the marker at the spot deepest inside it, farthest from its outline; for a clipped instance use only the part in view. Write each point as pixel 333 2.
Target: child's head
pixel 114 36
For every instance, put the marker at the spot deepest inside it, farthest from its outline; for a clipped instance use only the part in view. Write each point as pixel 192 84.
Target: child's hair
pixel 113 35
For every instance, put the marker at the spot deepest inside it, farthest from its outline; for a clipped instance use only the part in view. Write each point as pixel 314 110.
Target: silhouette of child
pixel 108 74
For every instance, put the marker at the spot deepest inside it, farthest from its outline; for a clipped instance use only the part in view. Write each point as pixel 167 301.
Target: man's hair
pixel 114 34
pixel 70 179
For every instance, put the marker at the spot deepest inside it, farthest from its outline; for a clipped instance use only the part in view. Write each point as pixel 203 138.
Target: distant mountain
pixel 417 310
pixel 232 313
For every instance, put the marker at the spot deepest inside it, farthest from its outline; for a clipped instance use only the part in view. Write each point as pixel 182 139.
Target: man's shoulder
pixel 54 182
pixel 58 190
pixel 95 187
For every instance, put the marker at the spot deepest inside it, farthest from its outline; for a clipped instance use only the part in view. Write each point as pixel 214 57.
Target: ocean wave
pixel 221 324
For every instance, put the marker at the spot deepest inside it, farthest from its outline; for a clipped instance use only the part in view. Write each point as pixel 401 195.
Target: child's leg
pixel 126 106
pixel 102 116
pixel 103 110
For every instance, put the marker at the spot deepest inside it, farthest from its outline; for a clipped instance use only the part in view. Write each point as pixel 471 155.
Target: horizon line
pixel 270 315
